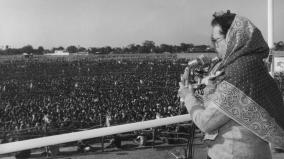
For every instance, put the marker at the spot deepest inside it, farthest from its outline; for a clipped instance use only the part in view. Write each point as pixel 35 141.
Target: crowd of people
pixel 46 97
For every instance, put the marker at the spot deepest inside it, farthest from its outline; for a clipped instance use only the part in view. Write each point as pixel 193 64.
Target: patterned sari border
pixel 241 108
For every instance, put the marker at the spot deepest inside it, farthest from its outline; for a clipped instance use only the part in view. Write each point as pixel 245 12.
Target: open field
pixel 109 56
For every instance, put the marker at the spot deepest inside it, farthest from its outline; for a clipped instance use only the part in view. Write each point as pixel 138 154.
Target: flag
pixel 33 117
pixel 31 85
pixel 46 119
pixel 108 119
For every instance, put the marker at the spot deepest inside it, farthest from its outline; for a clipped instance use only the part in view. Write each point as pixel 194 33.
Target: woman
pixel 241 111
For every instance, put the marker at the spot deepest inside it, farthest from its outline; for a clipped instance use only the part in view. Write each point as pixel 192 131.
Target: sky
pixel 118 23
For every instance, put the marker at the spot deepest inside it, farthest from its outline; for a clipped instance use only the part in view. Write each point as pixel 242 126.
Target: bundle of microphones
pixel 200 68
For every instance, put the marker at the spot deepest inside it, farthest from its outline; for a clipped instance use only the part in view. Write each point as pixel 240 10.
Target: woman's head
pixel 220 26
pixel 235 36
pixel 224 20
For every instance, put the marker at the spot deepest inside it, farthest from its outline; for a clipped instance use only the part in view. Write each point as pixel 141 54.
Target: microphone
pixel 215 60
pixel 203 61
pixel 199 61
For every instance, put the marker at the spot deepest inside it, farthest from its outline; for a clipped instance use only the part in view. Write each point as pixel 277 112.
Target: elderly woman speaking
pixel 242 110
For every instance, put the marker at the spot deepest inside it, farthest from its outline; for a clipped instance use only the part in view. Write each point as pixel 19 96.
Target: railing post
pixel 102 138
pixel 154 136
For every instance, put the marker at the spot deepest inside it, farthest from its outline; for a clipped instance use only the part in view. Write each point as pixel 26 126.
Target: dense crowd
pixel 41 96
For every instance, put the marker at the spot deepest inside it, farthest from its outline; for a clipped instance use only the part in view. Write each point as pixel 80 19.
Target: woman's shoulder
pixel 245 66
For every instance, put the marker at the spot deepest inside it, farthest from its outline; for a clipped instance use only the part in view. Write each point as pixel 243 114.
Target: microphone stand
pixel 195 76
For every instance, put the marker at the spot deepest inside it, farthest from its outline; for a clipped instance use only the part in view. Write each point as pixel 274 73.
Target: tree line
pixel 146 47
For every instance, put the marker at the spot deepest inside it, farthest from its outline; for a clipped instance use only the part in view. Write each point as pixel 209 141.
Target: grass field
pixel 4 58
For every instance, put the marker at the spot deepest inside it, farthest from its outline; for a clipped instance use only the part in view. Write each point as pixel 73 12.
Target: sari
pixel 246 92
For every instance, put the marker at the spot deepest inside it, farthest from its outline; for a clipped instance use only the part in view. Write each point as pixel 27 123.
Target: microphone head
pixel 204 60
pixel 192 63
pixel 216 59
pixel 200 60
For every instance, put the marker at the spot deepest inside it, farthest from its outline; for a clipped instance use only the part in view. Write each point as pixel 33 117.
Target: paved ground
pixel 160 152
pixel 130 151
pixel 153 153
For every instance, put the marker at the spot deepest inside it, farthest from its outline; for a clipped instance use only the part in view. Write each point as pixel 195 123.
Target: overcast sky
pixel 117 23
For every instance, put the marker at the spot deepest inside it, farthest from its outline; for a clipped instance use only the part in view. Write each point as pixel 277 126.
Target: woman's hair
pixel 225 20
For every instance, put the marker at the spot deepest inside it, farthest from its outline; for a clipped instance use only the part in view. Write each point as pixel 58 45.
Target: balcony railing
pixel 87 134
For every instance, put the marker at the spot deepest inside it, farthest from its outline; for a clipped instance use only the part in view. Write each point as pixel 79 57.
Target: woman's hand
pixel 183 91
pixel 209 80
pixel 185 88
pixel 186 92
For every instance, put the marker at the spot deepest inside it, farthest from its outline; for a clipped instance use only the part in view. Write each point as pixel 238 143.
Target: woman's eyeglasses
pixel 216 41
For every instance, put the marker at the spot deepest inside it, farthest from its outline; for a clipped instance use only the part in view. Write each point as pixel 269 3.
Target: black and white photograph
pixel 141 79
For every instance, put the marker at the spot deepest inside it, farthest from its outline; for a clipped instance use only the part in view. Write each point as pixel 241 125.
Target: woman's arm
pixel 205 115
pixel 207 118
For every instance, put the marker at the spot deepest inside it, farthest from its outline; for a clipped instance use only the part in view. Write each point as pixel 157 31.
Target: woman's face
pixel 219 41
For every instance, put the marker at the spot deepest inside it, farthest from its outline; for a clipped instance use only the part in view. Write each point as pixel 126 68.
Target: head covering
pixel 247 93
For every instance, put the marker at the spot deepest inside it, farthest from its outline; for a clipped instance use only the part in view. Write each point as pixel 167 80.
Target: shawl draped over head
pixel 247 93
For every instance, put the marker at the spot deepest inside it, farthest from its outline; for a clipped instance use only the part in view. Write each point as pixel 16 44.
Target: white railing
pixel 75 136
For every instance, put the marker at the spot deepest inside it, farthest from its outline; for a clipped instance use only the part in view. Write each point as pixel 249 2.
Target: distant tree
pixel 132 48
pixel 176 49
pixel 47 51
pixel 82 49
pixel 186 47
pixel 148 46
pixel 143 49
pixel 72 49
pixel 157 49
pixel 166 48
pixel 106 50
pixel 40 50
pixel 93 50
pixel 117 50
pixel 139 48
pixel 200 48
pixel 11 51
pixel 60 48
pixel 126 50
pixel 57 48
pixel 53 49
pixel 27 49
